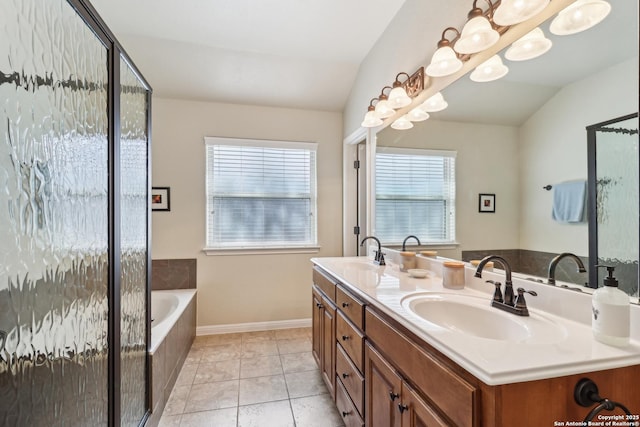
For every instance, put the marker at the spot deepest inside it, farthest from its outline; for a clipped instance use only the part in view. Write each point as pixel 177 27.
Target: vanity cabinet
pixel 324 328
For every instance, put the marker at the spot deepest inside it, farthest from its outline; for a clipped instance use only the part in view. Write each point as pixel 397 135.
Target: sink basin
pixel 474 316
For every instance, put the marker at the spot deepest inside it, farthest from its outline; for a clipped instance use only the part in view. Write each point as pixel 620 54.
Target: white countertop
pixel 492 361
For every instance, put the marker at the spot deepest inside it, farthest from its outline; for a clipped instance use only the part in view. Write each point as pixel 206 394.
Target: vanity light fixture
pixel 371 119
pixel 383 110
pixel 402 123
pixel 477 34
pixel 490 70
pixel 529 46
pixel 445 60
pixel 579 16
pixel 417 115
pixel 511 12
pixel 434 103
pixel 398 97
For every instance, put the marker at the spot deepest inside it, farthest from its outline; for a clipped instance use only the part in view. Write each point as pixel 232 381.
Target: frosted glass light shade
pixel 398 98
pixel 417 115
pixel 579 16
pixel 511 12
pixel 402 123
pixel 434 104
pixel 477 35
pixel 490 70
pixel 383 110
pixel 443 62
pixel 529 46
pixel 371 120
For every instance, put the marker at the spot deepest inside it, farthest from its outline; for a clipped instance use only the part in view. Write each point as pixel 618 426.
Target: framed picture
pixel 160 199
pixel 487 203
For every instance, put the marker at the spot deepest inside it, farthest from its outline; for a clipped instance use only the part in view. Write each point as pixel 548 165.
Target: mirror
pixel 518 135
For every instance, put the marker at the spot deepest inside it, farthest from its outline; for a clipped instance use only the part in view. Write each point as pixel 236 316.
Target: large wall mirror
pixel 516 136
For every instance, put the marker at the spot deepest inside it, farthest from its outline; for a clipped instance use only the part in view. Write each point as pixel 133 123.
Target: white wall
pixel 485 163
pixel 553 148
pixel 240 289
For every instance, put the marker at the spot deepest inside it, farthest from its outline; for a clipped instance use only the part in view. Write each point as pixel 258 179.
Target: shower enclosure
pixel 74 220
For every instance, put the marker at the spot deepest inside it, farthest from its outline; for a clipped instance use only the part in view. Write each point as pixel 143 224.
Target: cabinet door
pixel 416 412
pixel 316 320
pixel 329 344
pixel 382 391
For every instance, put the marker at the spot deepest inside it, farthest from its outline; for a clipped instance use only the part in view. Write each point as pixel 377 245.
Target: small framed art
pixel 160 199
pixel 487 203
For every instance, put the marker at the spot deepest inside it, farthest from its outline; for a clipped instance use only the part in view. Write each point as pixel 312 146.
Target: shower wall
pixel 62 259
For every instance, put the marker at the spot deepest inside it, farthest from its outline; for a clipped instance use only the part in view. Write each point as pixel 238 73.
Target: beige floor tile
pixel 217 395
pixel 227 417
pixel 194 355
pixel 262 389
pixel 218 352
pixel 258 336
pixel 308 383
pixel 316 411
pixel 260 348
pixel 208 340
pixel 294 345
pixel 298 362
pixel 217 371
pixel 270 414
pixel 260 366
pixel 169 421
pixel 177 400
pixel 287 334
pixel 187 373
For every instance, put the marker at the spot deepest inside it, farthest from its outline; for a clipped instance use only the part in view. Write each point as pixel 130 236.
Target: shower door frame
pixel 116 51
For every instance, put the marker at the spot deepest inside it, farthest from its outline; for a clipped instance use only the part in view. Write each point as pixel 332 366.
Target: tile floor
pixel 252 379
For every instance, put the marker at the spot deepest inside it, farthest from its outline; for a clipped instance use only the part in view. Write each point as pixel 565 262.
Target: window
pixel 415 194
pixel 260 194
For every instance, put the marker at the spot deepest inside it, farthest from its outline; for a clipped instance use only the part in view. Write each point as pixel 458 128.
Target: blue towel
pixel 569 201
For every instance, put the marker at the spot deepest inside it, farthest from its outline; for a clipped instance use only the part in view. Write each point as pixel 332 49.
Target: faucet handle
pixel 521 303
pixel 497 295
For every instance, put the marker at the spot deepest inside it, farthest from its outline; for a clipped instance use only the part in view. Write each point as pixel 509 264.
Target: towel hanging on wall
pixel 569 201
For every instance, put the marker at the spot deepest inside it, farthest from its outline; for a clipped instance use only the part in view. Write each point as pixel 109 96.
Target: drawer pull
pixel 345 337
pixel 345 304
pixel 393 396
pixel 318 305
pixel 402 407
pixel 345 375
pixel 344 414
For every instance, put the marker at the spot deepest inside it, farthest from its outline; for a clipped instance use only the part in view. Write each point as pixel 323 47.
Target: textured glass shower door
pixel 54 217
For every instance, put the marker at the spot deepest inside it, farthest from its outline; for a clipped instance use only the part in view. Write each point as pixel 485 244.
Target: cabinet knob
pixel 393 396
pixel 344 414
pixel 345 304
pixel 345 337
pixel 402 407
pixel 318 305
pixel 345 375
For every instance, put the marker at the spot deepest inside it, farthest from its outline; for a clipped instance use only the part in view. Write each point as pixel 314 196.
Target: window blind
pixel 415 194
pixel 260 193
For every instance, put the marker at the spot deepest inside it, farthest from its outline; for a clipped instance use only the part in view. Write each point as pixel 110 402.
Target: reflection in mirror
pixel 515 136
pixel 613 206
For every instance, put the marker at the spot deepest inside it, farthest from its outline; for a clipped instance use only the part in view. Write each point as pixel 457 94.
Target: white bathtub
pixel 166 309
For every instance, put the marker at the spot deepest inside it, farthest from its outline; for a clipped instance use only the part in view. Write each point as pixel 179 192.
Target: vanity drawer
pixel 351 340
pixel 325 283
pixel 350 306
pixel 454 396
pixel 347 411
pixel 351 379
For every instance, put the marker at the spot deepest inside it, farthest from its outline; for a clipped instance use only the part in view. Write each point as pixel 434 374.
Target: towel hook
pixel 547 187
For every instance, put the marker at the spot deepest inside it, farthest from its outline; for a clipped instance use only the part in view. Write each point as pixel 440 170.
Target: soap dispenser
pixel 610 319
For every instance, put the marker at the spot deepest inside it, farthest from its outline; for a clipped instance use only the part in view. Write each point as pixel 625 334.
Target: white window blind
pixel 415 194
pixel 260 194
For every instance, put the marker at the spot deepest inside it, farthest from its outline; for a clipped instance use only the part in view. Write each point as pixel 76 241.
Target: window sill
pixel 262 251
pixel 426 246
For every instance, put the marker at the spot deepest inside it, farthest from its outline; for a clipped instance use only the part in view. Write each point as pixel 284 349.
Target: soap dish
pixel 418 273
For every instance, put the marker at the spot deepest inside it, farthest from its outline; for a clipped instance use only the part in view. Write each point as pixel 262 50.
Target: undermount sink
pixel 474 316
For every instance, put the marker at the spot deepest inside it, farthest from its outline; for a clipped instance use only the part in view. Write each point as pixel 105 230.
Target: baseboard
pixel 253 326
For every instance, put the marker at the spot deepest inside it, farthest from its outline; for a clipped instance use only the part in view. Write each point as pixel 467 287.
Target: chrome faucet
pixel 551 276
pixel 404 242
pixel 379 256
pixel 516 305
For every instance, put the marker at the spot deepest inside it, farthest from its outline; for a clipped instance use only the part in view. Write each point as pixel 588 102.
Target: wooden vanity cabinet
pixel 324 328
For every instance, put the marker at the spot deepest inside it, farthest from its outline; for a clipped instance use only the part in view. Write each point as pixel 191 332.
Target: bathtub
pixel 173 330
